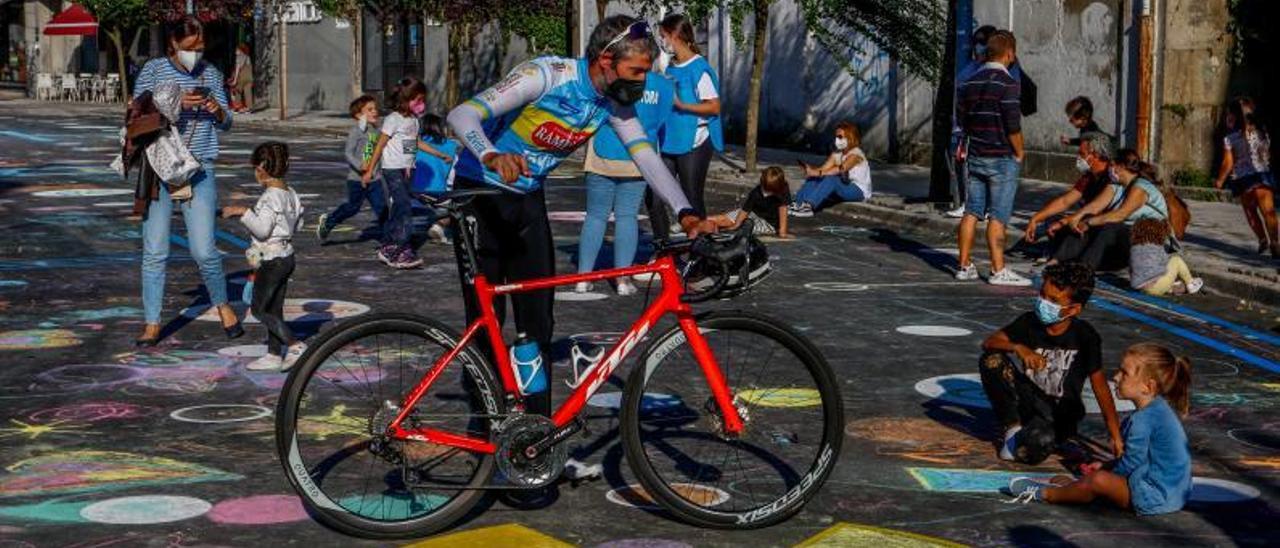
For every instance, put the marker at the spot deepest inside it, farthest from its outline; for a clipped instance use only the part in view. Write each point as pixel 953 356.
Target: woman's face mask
pixel 189 58
pixel 841 143
pixel 1082 165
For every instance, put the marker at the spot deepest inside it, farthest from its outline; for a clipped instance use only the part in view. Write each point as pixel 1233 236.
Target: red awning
pixel 73 21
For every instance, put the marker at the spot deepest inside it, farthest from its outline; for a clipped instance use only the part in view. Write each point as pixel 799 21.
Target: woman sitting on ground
pixel 845 177
pixel 1101 228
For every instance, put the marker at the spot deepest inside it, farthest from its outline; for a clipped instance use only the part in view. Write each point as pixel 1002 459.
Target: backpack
pixel 1178 215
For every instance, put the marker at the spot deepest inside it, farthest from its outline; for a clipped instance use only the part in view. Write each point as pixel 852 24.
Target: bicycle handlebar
pixel 713 253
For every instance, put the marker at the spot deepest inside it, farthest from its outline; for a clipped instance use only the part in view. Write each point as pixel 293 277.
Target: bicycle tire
pixel 659 485
pixel 324 507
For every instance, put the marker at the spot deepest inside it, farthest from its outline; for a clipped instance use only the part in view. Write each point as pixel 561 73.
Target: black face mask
pixel 625 92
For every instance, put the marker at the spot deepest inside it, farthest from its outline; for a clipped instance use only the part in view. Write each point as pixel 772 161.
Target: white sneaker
pixel 291 357
pixel 1195 286
pixel 966 273
pixel 268 362
pixel 576 470
pixel 1026 490
pixel 802 211
pixel 626 288
pixel 1008 277
pixel 956 213
pixel 582 287
pixel 438 235
pixel 1007 447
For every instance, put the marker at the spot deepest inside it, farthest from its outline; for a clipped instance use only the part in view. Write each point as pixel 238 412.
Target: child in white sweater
pixel 272 223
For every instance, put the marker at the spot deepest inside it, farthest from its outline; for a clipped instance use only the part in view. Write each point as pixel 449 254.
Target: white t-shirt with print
pixel 402 141
pixel 706 91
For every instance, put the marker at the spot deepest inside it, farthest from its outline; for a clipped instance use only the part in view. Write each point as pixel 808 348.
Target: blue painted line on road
pixel 26 136
pixel 1206 318
pixel 179 241
pixel 231 239
pixel 1249 357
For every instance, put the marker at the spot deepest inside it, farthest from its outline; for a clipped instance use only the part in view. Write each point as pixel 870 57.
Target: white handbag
pixel 172 160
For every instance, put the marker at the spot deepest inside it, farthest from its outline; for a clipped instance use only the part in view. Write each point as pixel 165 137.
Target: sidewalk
pixel 1219 245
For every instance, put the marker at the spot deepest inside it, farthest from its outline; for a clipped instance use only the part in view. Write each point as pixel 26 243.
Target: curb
pixel 1234 282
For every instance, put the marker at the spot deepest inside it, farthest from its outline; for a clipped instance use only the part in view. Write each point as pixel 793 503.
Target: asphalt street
pixel 103 444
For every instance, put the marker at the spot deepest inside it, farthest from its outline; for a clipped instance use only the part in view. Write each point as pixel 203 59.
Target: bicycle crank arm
pixel 532 451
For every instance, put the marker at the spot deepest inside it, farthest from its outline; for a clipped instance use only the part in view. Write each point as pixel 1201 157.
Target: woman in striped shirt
pixel 204 113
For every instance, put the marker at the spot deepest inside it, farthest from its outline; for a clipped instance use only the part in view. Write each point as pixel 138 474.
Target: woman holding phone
pixel 205 112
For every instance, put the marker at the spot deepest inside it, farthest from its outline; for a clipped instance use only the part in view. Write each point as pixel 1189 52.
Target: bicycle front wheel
pixel 787 397
pixel 333 414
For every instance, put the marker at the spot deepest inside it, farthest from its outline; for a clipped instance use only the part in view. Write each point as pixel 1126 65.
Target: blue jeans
pixel 992 185
pixel 399 226
pixel 356 195
pixel 623 198
pixel 817 190
pixel 199 213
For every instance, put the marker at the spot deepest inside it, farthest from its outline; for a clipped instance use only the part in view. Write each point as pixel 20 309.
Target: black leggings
pixel 270 283
pixel 1016 400
pixel 513 243
pixel 691 170
pixel 1104 247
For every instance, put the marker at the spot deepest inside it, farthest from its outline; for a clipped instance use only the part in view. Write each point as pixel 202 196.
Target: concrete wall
pixel 1194 76
pixel 319 66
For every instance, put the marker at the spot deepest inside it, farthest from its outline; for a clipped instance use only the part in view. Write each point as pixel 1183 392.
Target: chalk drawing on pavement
pixel 220 413
pixel 99 471
pixel 37 339
pixel 91 412
pixel 295 310
pixel 933 331
pixel 652 401
pixel 782 397
pixel 856 534
pixel 635 496
pixel 145 510
pixel 83 193
pixel 965 389
pixel 258 510
pixel 510 534
pixel 574 296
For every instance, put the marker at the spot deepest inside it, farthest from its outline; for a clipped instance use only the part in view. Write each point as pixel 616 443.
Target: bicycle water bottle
pixel 526 360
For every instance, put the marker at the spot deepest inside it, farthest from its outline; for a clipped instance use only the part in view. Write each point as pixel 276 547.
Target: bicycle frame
pixel 668 302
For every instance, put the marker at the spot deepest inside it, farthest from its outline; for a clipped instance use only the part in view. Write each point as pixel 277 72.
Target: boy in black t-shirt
pixel 767 203
pixel 1037 396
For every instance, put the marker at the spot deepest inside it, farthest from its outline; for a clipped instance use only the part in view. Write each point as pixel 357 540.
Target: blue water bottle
pixel 526 359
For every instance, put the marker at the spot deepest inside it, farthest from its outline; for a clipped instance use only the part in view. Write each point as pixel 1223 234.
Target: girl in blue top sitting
pixel 1153 476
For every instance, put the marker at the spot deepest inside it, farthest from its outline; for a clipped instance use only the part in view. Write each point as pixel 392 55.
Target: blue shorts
pixel 991 186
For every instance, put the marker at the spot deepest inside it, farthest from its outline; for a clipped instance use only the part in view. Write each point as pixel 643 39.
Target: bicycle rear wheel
pixel 786 394
pixel 336 405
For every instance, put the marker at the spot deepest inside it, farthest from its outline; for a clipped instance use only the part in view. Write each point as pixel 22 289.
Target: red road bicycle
pixel 393 425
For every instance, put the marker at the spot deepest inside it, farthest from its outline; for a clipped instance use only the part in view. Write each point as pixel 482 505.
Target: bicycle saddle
pixel 459 197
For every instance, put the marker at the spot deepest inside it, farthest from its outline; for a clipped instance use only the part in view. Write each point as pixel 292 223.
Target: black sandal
pixel 234 332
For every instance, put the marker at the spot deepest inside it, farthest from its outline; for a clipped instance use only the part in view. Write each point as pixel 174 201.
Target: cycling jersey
pixel 544 110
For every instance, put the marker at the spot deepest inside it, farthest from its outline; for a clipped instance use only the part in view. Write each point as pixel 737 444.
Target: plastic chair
pixel 44 86
pixel 112 91
pixel 70 88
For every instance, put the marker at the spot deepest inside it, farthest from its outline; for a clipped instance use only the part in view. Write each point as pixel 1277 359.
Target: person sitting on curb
pixel 844 177
pixel 1099 235
pixel 1033 370
pixel 1093 161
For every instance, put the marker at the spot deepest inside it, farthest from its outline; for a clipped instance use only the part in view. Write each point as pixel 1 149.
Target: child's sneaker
pixel 576 470
pixel 387 253
pixel 1025 489
pixel 407 259
pixel 322 227
pixel 1009 444
pixel 268 362
pixel 1008 277
pixel 1194 286
pixel 582 287
pixel 291 356
pixel 801 210
pixel 626 288
pixel 967 273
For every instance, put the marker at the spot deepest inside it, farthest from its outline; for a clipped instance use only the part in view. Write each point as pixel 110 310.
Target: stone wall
pixel 1193 84
pixel 319 65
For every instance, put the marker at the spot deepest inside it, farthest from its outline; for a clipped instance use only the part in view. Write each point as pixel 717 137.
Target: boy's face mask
pixel 1048 311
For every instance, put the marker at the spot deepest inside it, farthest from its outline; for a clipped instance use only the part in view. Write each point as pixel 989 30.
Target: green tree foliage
pixel 118 18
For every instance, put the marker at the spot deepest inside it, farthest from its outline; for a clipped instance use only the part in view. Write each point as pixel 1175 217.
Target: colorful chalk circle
pixel 91 412
pixel 74 472
pixel 962 480
pixel 82 192
pixel 258 510
pixel 510 534
pixel 635 496
pixel 1257 437
pixel 574 296
pixel 145 510
pixel 220 413
pixel 933 331
pixel 965 389
pixel 37 339
pixel 1220 491
pixel 643 543
pixel 393 506
pixel 781 397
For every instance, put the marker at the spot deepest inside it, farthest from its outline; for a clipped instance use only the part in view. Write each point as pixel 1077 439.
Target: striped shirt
pixel 988 108
pixel 204 136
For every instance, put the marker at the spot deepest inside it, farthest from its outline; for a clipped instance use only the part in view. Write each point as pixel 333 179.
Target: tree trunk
pixel 357 57
pixel 943 114
pixel 602 7
pixel 118 41
pixel 757 80
pixel 452 85
pixel 281 30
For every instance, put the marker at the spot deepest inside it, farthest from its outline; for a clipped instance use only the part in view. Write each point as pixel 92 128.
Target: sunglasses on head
pixel 638 30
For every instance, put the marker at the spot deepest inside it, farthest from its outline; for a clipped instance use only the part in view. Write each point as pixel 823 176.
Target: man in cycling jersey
pixel 519 130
